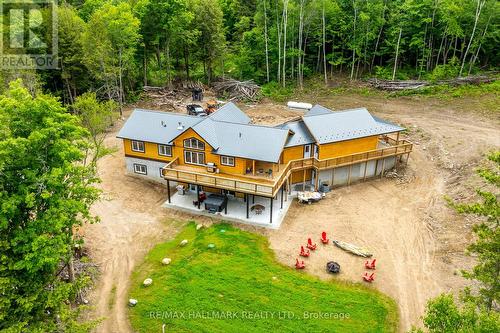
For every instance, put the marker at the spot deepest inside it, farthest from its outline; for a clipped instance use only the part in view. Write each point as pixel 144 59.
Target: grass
pixel 231 288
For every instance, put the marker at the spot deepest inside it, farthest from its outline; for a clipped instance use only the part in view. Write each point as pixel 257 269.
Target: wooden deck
pixel 269 186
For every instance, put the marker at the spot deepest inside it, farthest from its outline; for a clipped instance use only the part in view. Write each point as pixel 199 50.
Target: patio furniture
pixel 258 208
pixel 310 245
pixel 324 240
pixel 304 253
pixel 299 264
pixel 369 278
pixel 215 203
pixel 370 265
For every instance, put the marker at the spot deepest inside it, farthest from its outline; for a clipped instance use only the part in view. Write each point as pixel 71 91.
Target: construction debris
pixel 235 90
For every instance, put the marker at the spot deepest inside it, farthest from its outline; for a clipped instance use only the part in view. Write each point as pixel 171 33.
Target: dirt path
pixel 417 240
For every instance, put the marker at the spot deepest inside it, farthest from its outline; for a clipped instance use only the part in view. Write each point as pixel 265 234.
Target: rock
pixel 132 302
pixel 184 242
pixel 166 261
pixel 211 246
pixel 85 301
pixel 275 278
pixel 199 226
pixel 147 282
pixel 223 230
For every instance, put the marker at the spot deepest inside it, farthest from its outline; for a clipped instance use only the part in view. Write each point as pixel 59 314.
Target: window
pixel 227 160
pixel 194 157
pixel 138 146
pixel 194 143
pixel 140 168
pixel 164 150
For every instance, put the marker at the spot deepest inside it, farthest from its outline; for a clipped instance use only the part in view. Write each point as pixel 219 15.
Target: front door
pixel 307 151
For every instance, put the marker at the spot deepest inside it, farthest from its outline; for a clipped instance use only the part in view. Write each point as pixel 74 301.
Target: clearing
pixel 239 286
pixel 417 240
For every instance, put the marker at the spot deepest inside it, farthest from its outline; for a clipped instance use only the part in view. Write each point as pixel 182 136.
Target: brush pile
pixel 165 97
pixel 235 90
pixel 417 84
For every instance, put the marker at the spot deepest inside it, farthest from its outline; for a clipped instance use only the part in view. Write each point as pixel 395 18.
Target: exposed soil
pixel 417 240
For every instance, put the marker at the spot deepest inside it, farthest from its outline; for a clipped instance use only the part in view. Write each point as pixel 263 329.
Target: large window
pixel 141 169
pixel 194 143
pixel 138 146
pixel 227 160
pixel 194 157
pixel 164 150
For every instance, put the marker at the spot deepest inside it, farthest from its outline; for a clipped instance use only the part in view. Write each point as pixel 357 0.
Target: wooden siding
pixel 292 153
pixel 150 151
pixel 240 164
pixel 349 147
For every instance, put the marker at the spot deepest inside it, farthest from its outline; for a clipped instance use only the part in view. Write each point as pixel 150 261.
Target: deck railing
pixel 270 187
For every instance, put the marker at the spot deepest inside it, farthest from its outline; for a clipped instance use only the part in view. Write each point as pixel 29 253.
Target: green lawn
pixel 230 288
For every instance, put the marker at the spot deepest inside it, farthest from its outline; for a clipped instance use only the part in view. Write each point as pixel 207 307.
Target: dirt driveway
pixel 416 239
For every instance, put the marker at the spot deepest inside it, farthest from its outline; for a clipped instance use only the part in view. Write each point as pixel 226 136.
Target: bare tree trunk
pixel 285 22
pixel 354 39
pixel 397 53
pixel 479 7
pixel 145 68
pixel 279 41
pixel 301 31
pixel 474 58
pixel 265 39
pixel 167 56
pixel 120 93
pixel 324 43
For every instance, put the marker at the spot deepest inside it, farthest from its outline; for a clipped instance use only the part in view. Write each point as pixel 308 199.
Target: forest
pixel 115 47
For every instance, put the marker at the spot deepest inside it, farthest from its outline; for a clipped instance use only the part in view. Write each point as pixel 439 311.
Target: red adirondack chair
pixel 369 278
pixel 299 264
pixel 304 253
pixel 324 240
pixel 370 265
pixel 310 245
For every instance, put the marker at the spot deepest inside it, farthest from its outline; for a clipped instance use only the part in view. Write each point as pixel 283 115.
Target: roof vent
pixel 240 134
pixel 163 124
pixel 180 127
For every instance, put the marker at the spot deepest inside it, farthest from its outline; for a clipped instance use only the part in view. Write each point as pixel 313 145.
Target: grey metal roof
pixel 155 126
pixel 300 135
pixel 347 125
pixel 230 113
pixel 317 110
pixel 256 142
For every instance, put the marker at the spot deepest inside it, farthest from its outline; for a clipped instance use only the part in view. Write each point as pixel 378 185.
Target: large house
pixel 225 153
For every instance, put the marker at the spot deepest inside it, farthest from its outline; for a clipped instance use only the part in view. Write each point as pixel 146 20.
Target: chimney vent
pixel 180 127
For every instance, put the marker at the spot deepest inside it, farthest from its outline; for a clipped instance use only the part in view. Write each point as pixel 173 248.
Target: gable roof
pixel 299 134
pixel 155 126
pixel 256 142
pixel 317 110
pixel 230 113
pixel 346 125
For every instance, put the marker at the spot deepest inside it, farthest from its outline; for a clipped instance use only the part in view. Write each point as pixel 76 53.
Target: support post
pixel 383 168
pixel 376 167
pixel 248 204
pixel 253 167
pixel 316 180
pixel 225 207
pixel 271 211
pixel 282 188
pixel 397 139
pixel 304 181
pixel 198 195
pixel 253 198
pixel 364 174
pixel 168 190
pixel 349 175
pixel 407 158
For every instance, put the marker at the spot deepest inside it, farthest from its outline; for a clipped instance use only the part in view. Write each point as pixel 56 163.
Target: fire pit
pixel 332 267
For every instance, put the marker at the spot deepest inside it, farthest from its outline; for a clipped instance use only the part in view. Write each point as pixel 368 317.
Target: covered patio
pixel 238 209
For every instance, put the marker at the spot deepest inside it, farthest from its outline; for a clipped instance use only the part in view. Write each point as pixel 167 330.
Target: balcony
pixel 268 185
